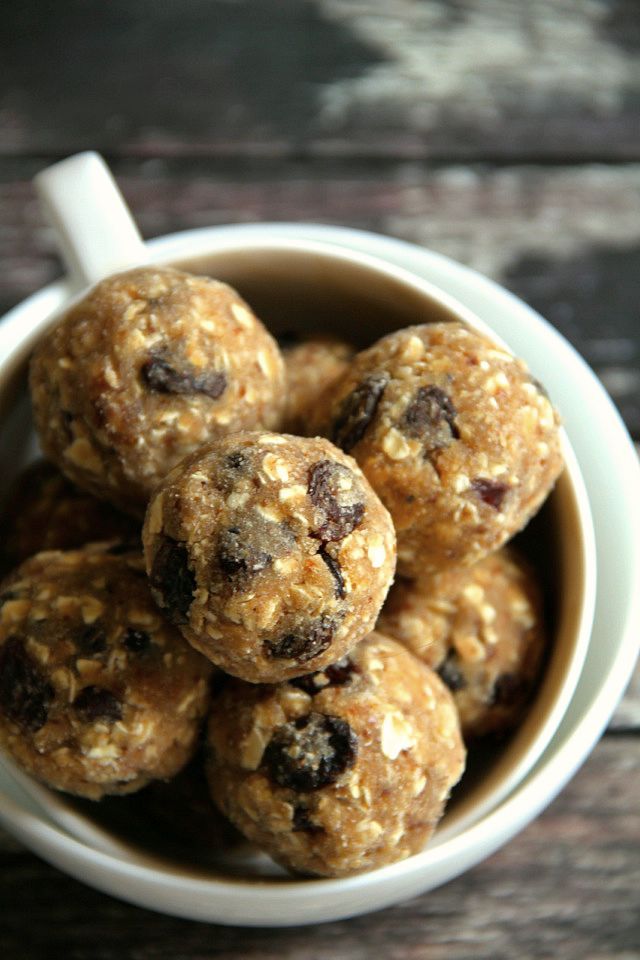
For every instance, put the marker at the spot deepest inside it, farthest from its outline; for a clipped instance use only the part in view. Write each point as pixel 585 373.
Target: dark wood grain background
pixel 503 133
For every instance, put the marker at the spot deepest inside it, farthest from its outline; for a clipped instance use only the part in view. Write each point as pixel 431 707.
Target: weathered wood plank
pixel 566 239
pixel 567 886
pixel 283 78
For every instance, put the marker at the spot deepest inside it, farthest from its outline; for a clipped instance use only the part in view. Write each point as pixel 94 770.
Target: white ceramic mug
pixel 297 281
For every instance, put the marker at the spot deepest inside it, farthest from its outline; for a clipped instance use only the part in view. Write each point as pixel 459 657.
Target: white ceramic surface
pixel 95 231
pixel 608 664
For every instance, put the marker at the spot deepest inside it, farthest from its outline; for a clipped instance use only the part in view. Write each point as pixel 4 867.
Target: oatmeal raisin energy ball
pixel 481 628
pixel 271 553
pixel 98 694
pixel 312 365
pixel 44 511
pixel 455 436
pixel 147 367
pixel 342 771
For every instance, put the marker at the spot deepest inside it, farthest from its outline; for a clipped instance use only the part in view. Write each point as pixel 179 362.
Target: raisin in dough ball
pixel 271 553
pixel 98 694
pixel 457 440
pixel 151 364
pixel 342 771
pixel 44 511
pixel 482 629
pixel 311 366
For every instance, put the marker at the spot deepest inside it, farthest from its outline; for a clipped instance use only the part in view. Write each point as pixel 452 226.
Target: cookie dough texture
pixel 44 511
pixel 271 553
pixel 151 364
pixel 312 366
pixel 98 694
pixel 342 771
pixel 457 439
pixel 482 629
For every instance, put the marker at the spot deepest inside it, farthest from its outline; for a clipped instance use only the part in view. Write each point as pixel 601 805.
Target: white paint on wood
pixel 489 218
pixel 478 61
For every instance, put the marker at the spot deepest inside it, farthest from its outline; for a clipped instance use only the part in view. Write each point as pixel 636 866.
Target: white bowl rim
pixel 60 295
pixel 552 771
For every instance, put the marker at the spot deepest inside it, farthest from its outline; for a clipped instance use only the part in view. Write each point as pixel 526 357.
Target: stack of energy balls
pixel 275 491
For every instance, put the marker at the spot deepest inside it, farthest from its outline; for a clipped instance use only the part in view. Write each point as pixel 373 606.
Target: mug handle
pixel 95 231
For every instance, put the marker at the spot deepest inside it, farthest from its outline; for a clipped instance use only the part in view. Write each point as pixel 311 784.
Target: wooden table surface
pixel 503 133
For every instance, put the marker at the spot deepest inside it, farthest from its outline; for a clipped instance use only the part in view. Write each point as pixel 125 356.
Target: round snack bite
pixel 151 364
pixel 44 511
pixel 271 553
pixel 459 442
pixel 482 629
pixel 98 694
pixel 341 771
pixel 311 365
